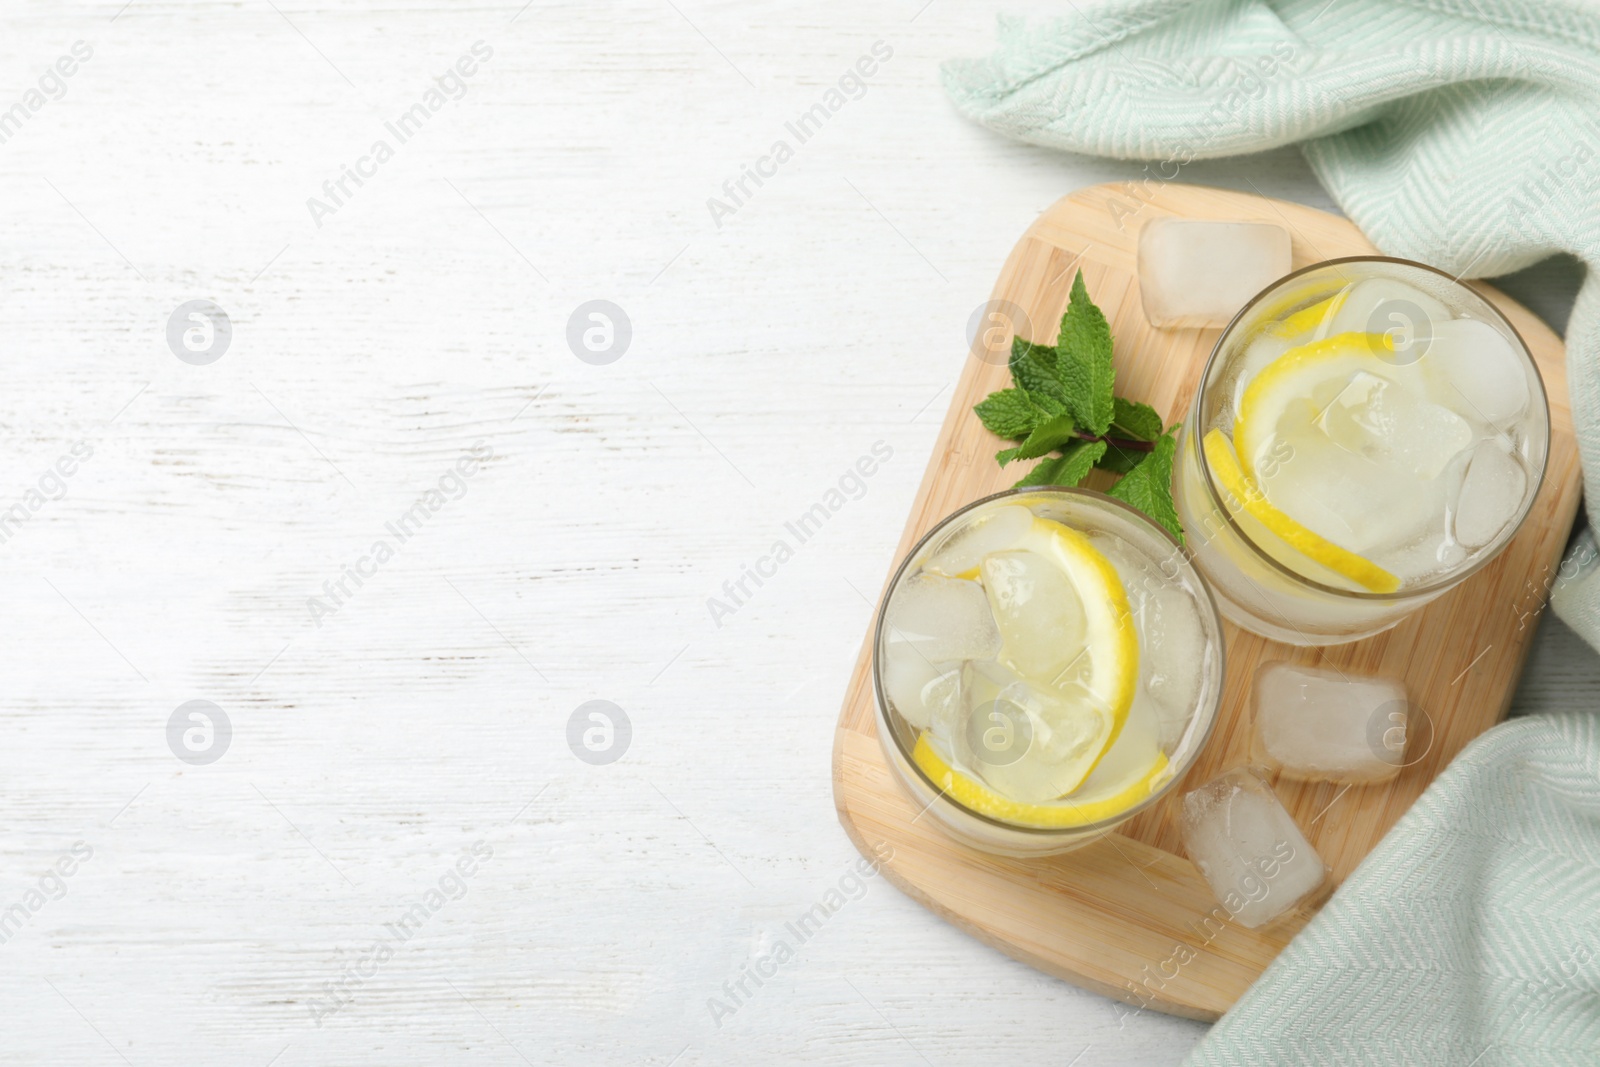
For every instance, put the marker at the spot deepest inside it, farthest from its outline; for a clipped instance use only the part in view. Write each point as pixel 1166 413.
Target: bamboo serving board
pixel 1129 916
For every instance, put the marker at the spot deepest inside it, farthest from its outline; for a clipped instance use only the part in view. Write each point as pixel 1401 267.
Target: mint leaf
pixel 1048 404
pixel 1063 401
pixel 1048 436
pixel 1042 474
pixel 1133 419
pixel 1069 468
pixel 1083 361
pixel 1148 486
pixel 1010 413
pixel 1078 460
pixel 1120 460
pixel 1033 367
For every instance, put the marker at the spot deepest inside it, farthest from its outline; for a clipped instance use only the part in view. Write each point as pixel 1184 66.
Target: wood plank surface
pixel 770 351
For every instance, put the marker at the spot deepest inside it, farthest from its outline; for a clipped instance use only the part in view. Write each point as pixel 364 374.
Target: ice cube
pixel 999 741
pixel 1261 351
pixel 1172 640
pixel 1172 643
pixel 1038 613
pixel 987 677
pixel 1491 495
pixel 917 688
pixel 905 671
pixel 998 531
pixel 1195 272
pixel 1133 752
pixel 1323 725
pixel 988 682
pixel 1482 373
pixel 942 619
pixel 1335 302
pixel 943 699
pixel 1387 423
pixel 1428 557
pixel 1248 848
pixel 999 733
pixel 1170 731
pixel 1020 739
pixel 1384 305
pixel 1353 500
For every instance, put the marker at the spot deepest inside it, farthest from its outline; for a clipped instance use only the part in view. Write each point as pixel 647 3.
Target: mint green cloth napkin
pixel 1471 935
pixel 1466 135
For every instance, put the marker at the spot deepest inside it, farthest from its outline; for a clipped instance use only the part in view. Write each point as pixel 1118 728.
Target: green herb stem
pixel 1125 443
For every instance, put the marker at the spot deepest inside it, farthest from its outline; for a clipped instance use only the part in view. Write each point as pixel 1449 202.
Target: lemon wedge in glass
pixel 1302 374
pixel 1087 806
pixel 1342 449
pixel 1071 656
pixel 1290 543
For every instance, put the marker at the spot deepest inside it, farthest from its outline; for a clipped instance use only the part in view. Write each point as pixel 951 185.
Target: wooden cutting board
pixel 1129 916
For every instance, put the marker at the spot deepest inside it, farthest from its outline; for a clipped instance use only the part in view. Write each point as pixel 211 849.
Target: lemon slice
pixel 1288 323
pixel 1104 656
pixel 1305 321
pixel 1068 635
pixel 1295 377
pixel 1089 806
pixel 1344 441
pixel 1274 531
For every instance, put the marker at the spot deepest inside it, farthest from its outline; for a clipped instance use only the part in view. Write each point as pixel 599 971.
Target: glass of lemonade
pixel 1046 665
pixel 1368 432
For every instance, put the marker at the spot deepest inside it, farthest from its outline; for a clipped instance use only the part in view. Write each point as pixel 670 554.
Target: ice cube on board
pixel 1248 848
pixel 942 619
pixel 1195 272
pixel 1491 494
pixel 1482 375
pixel 1325 725
pixel 961 553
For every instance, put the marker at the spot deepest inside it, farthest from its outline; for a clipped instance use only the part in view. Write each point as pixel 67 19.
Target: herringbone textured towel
pixel 1470 936
pixel 1466 134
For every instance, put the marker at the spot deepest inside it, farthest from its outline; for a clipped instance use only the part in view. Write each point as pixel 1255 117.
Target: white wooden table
pixel 297 899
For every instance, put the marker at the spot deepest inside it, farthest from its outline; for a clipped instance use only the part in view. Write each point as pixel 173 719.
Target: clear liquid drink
pixel 1367 433
pixel 1047 664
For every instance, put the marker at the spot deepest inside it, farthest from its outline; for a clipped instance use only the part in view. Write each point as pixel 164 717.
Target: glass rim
pixel 1451 578
pixel 1140 518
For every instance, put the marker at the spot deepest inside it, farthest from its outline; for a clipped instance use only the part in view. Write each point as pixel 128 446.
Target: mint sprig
pixel 1063 411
